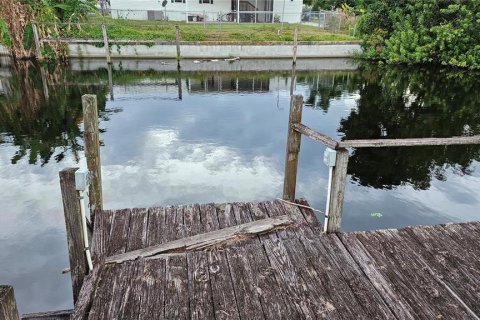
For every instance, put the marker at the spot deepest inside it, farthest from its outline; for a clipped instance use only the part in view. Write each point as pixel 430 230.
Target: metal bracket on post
pixel 82 181
pixel 329 158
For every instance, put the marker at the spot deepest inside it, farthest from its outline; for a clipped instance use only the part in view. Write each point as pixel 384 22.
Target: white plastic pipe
pixel 329 191
pixel 85 232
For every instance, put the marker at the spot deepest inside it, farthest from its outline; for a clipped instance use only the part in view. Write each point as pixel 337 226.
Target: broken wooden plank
pixel 214 238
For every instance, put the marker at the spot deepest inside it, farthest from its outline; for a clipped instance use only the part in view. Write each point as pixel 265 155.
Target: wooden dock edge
pixel 50 315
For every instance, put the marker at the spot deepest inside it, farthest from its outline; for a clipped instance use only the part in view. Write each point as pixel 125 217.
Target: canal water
pixel 216 136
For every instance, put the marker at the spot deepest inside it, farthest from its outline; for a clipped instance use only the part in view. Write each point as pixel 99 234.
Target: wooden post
pixel 105 43
pixel 91 136
pixel 36 38
pixel 294 63
pixel 8 305
pixel 110 81
pixel 337 192
pixel 73 223
pixel 177 42
pixel 180 89
pixel 293 148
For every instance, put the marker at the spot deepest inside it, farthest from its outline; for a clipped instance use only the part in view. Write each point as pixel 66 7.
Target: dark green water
pixel 225 141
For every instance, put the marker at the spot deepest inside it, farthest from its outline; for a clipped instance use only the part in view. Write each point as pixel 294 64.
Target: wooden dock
pixel 269 260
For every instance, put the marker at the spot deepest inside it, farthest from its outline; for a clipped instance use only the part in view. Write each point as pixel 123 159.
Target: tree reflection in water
pixel 401 102
pixel 40 112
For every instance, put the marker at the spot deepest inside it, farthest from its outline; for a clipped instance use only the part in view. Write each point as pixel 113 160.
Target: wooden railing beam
pixel 382 143
pixel 317 136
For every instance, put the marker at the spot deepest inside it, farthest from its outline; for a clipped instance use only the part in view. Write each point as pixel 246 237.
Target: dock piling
pixel 293 148
pixel 36 39
pixel 91 137
pixel 337 191
pixel 177 42
pixel 105 43
pixel 8 305
pixel 73 222
pixel 294 63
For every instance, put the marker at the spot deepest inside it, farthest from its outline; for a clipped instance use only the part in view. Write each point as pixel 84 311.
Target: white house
pixel 209 10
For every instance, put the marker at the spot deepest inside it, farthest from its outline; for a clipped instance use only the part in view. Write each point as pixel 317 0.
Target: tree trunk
pixel 16 16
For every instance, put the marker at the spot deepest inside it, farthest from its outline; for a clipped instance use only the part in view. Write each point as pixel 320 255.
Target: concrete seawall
pixel 205 50
pixel 208 50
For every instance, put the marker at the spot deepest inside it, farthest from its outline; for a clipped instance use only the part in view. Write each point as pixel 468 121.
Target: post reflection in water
pixel 171 138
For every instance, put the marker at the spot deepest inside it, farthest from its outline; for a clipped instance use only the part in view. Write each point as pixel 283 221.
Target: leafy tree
pixel 423 31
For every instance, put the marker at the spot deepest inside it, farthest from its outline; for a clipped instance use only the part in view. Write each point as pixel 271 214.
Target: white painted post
pixel 238 11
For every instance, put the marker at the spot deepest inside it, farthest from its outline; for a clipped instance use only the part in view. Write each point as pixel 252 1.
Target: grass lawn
pixel 165 30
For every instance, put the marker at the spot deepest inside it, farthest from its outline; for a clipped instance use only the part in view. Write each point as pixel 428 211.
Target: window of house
pixel 205 1
pixel 180 1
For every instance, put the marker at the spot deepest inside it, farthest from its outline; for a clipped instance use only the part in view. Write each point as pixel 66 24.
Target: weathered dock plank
pixel 289 273
pixel 403 264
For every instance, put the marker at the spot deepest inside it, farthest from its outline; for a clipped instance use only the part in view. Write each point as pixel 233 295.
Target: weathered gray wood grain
pixel 199 289
pixel 408 273
pixel 50 315
pixel 243 277
pixel 152 301
pixel 87 293
pixel 294 139
pixel 377 143
pixel 339 180
pixel 156 226
pixel 74 227
pixel 119 232
pixel 91 137
pixel 8 304
pixel 203 241
pixel 101 233
pixel 137 234
pixel 314 135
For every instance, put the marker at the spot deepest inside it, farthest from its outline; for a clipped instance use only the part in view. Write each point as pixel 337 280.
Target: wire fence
pixel 332 21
